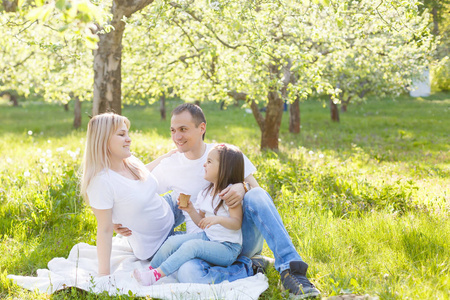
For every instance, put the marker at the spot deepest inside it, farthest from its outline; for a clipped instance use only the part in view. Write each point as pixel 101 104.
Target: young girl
pixel 221 241
pixel 120 189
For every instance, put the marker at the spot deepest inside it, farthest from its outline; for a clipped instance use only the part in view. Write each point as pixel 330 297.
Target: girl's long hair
pixel 231 170
pixel 97 155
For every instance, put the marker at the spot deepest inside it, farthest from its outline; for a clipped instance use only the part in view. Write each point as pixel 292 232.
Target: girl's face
pixel 212 166
pixel 119 144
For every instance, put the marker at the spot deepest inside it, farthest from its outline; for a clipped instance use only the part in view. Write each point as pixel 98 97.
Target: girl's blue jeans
pixel 178 249
pixel 261 222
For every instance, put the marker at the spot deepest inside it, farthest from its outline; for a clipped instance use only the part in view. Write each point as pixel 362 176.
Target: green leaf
pixel 91 41
pixel 46 12
pixel 34 13
pixel 39 2
pixel 60 4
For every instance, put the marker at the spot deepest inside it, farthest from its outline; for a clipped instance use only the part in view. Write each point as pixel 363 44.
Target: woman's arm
pixel 104 239
pixel 156 162
pixel 233 222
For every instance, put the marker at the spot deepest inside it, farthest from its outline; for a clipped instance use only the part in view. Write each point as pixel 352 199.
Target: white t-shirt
pixel 135 204
pixel 217 232
pixel 182 175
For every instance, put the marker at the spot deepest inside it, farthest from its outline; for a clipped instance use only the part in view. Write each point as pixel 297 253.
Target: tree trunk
pixel 197 102
pixel 108 72
pixel 434 12
pixel 77 113
pixel 334 111
pixel 162 106
pixel 13 99
pixel 344 104
pixel 108 59
pixel 66 107
pixel 272 122
pixel 294 116
pixel 10 6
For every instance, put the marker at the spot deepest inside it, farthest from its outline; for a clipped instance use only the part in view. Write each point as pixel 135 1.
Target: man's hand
pixel 122 230
pixel 233 195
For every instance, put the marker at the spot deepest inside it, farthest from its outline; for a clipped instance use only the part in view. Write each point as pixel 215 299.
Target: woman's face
pixel 119 144
pixel 212 166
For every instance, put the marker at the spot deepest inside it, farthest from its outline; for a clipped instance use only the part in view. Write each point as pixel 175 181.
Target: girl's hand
pixel 189 208
pixel 208 221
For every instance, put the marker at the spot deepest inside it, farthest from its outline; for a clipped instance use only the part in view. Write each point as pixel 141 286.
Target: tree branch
pixel 199 19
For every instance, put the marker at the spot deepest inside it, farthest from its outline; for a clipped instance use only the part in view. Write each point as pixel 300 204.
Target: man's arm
pixel 125 231
pixel 233 195
pixel 153 164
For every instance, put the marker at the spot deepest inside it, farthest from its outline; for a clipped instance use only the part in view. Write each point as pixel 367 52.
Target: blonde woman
pixel 120 189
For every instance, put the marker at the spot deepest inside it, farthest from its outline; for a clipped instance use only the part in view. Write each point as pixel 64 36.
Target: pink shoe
pixel 146 277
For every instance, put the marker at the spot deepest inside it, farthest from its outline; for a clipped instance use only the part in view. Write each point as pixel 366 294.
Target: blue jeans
pixel 261 221
pixel 177 213
pixel 179 249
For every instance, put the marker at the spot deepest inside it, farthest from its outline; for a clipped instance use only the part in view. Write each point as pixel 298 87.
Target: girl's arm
pixel 104 239
pixel 156 162
pixel 196 216
pixel 233 222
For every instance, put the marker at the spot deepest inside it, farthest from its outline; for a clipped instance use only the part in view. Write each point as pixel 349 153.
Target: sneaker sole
pixel 310 295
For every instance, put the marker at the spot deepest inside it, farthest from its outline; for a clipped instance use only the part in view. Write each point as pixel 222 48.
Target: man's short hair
pixel 195 111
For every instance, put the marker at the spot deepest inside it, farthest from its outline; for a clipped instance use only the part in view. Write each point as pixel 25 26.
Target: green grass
pixel 366 201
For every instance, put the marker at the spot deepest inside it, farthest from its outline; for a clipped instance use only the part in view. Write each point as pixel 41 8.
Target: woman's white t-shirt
pixel 135 204
pixel 179 174
pixel 217 232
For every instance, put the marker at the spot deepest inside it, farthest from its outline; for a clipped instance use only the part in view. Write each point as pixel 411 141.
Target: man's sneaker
pixel 260 263
pixel 294 280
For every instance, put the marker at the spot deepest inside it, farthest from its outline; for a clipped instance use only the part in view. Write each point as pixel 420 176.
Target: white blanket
pixel 80 269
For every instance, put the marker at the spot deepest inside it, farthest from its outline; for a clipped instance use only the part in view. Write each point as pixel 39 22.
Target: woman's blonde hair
pixel 97 155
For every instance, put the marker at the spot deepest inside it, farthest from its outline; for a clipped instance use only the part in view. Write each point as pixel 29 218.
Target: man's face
pixel 186 136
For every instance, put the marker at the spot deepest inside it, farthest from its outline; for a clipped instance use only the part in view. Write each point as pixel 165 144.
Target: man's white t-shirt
pixel 135 204
pixel 182 175
pixel 217 232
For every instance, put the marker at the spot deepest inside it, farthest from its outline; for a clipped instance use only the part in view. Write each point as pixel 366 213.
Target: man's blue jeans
pixel 179 249
pixel 261 222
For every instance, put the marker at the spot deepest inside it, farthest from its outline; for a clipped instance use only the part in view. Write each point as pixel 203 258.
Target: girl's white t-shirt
pixel 182 175
pixel 135 204
pixel 217 232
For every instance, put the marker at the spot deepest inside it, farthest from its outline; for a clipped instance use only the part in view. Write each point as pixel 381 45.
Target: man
pixel 183 173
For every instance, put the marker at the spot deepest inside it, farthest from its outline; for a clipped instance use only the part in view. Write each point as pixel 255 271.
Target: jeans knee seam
pixel 256 215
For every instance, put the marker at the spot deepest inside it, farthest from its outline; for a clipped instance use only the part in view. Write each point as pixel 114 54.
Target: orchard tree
pixel 37 58
pixel 376 53
pixel 244 50
pixel 45 49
